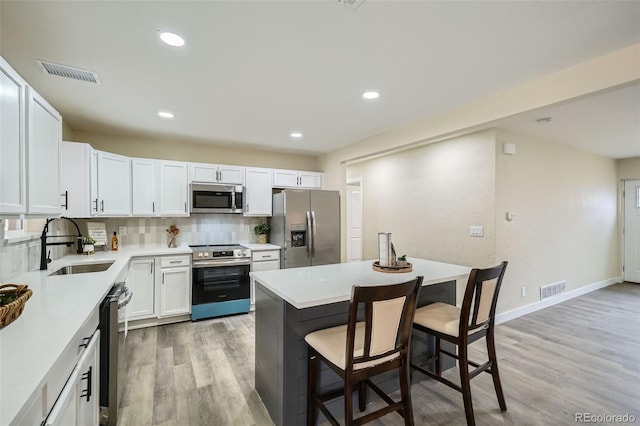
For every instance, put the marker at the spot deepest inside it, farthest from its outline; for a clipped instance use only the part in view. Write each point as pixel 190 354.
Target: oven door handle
pixel 213 264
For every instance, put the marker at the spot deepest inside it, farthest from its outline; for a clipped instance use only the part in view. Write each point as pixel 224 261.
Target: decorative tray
pixel 392 269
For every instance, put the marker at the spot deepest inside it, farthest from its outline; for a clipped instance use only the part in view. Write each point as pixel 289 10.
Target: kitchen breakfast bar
pixel 291 303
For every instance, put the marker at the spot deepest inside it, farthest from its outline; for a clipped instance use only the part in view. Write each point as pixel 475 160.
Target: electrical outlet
pixel 523 292
pixel 122 230
pixel 247 229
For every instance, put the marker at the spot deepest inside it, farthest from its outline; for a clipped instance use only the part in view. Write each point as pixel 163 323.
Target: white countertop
pixel 320 285
pixel 59 306
pixel 260 247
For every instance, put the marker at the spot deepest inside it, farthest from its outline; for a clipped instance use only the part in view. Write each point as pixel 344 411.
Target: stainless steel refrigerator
pixel 306 224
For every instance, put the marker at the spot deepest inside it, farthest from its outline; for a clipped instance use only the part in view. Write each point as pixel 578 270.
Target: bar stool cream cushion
pixel 440 317
pixel 331 344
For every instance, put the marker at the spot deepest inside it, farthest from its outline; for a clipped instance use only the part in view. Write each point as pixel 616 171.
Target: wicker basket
pixel 11 311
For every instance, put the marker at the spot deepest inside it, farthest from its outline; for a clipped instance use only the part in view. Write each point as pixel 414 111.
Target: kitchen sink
pixel 82 268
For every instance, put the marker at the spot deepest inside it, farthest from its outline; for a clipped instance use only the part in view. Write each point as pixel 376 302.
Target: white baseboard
pixel 527 309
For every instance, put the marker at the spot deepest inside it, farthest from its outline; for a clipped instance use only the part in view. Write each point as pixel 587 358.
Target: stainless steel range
pixel 220 280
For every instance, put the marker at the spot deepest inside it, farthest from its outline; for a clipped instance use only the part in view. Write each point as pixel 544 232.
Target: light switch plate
pixel 122 230
pixel 476 231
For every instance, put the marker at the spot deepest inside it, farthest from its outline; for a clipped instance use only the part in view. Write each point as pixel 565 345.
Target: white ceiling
pixel 253 71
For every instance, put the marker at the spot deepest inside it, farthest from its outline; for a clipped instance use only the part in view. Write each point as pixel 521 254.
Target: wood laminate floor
pixel 581 356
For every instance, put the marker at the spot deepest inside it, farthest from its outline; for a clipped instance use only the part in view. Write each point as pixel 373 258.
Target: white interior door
pixel 632 231
pixel 354 220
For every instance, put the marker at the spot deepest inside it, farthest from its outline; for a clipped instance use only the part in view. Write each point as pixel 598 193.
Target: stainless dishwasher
pixel 112 349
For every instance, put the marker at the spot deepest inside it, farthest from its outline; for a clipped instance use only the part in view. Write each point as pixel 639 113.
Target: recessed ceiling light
pixel 167 115
pixel 295 135
pixel 172 39
pixel 370 95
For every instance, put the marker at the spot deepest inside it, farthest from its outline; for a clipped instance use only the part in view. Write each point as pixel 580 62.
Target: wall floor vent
pixel 68 72
pixel 553 289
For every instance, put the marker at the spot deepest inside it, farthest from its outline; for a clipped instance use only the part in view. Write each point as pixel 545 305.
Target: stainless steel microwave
pixel 211 198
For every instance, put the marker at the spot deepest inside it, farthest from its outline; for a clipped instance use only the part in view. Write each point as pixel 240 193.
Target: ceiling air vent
pixel 351 4
pixel 68 72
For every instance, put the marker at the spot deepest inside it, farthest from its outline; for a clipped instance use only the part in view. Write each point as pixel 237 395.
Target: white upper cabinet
pixel 12 141
pixel 44 134
pixel 144 187
pixel 114 184
pixel 173 189
pixel 75 179
pixel 93 182
pixel 258 184
pixel 214 173
pixel 296 179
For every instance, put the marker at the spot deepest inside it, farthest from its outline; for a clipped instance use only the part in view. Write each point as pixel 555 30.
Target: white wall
pixel 565 224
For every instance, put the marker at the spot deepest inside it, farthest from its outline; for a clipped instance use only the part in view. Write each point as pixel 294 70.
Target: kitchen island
pixel 291 303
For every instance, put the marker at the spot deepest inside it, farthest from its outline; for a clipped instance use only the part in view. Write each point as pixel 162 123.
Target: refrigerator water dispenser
pixel 298 235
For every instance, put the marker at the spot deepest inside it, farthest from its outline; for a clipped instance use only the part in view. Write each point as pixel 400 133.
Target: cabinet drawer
pixel 266 265
pixel 172 261
pixel 258 256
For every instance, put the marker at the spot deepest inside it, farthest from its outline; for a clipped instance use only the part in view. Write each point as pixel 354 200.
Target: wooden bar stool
pixel 358 351
pixel 462 326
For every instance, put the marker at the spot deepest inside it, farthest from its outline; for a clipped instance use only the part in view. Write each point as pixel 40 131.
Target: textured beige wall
pixel 565 224
pixel 189 151
pixel 629 168
pixel 429 196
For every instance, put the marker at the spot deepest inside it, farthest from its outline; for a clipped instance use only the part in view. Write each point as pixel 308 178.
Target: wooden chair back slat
pixel 388 318
pixel 480 298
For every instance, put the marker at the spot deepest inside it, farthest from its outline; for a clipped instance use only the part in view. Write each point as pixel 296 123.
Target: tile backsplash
pixel 197 229
pixel 22 256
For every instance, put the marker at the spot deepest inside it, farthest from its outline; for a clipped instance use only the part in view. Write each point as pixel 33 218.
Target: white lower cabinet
pixel 263 260
pixel 78 403
pixel 88 401
pixel 175 286
pixel 141 280
pixel 161 288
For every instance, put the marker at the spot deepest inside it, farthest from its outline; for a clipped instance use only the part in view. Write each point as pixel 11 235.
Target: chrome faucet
pixel 44 259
